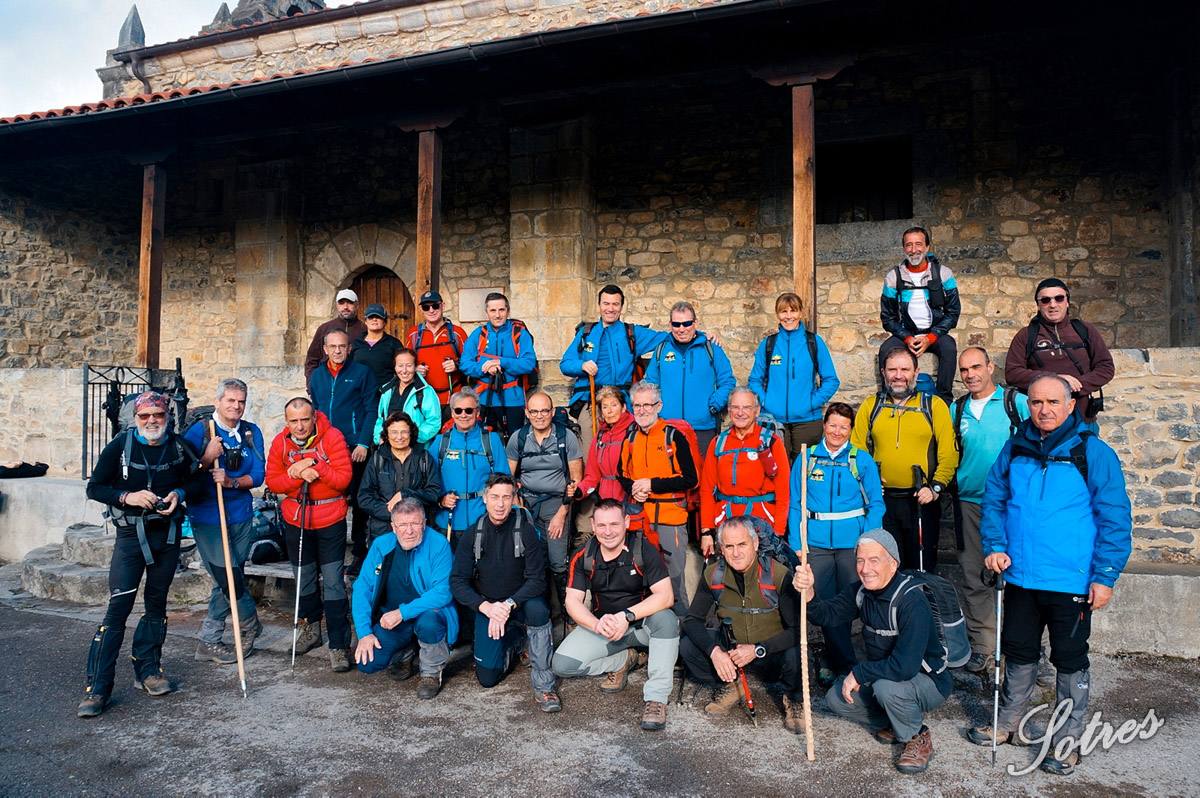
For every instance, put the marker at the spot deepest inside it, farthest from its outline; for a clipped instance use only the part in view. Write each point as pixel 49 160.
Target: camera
pixel 161 506
pixel 233 458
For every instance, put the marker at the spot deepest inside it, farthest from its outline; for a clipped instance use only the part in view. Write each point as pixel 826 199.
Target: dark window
pixel 864 181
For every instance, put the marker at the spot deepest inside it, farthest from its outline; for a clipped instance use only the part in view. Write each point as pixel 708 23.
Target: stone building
pixel 546 147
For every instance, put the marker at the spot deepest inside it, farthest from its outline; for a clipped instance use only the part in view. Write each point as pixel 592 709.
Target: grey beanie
pixel 883 538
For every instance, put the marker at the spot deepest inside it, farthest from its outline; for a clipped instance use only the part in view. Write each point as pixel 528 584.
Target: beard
pixel 153 435
pixel 915 260
pixel 903 392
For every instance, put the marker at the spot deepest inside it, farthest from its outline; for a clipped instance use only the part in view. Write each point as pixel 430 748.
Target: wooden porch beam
pixel 429 211
pixel 804 245
pixel 150 257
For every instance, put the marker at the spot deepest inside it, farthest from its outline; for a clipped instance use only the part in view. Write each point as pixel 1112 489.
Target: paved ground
pixel 319 733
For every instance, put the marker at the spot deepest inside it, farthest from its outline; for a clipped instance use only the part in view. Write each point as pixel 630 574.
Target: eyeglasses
pixel 463 411
pixel 414 525
pixel 1046 300
pixel 687 323
pixel 430 305
pixel 644 406
pixel 540 412
pixel 148 416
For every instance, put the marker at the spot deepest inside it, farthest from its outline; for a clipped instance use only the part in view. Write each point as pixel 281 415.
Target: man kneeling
pixel 753 596
pixel 904 675
pixel 499 572
pixel 631 609
pixel 403 591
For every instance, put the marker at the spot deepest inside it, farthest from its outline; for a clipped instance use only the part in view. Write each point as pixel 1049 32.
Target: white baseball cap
pixel 346 293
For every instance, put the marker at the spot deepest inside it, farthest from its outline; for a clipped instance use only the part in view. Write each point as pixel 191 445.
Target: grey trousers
pixel 900 705
pixel 979 602
pixel 212 554
pixel 673 542
pixel 585 653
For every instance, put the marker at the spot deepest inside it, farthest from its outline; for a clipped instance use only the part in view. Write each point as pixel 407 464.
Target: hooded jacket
pixel 604 460
pixel 790 393
pixel 429 570
pixel 421 405
pixel 694 378
pixel 326 499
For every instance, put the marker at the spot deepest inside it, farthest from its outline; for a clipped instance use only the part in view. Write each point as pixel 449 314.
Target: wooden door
pixel 380 285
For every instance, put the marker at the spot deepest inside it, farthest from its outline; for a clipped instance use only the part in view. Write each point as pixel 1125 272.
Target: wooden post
pixel 429 211
pixel 150 255
pixel 804 246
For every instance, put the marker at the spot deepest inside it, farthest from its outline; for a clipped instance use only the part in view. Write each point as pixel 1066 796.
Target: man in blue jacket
pixel 467 454
pixel 793 376
pixel 1057 523
pixel 237 461
pixel 345 392
pixel 608 351
pixel 404 592
pixel 694 375
pixel 499 355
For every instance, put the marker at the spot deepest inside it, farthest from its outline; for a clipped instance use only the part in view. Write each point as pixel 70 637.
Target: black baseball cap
pixel 376 310
pixel 430 297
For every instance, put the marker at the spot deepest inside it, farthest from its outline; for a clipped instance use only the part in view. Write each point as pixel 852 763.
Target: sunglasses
pixel 1046 300
pixel 148 416
pixel 463 411
pixel 430 305
pixel 687 323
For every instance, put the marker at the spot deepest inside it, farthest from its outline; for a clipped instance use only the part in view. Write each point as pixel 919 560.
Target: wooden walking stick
pixel 233 608
pixel 808 729
pixel 592 398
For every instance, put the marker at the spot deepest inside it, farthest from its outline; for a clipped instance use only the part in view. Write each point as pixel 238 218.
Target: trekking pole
pixel 996 662
pixel 808 729
pixel 299 561
pixel 592 401
pixel 918 483
pixel 729 643
pixel 233 607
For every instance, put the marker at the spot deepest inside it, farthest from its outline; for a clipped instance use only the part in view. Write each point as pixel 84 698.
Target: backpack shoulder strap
pixel 880 398
pixel 658 350
pixel 560 439
pixel 444 445
pixel 811 339
pixel 522 437
pixel 1032 358
pixel 960 406
pixel 477 543
pixel 453 338
pixel 1082 331
pixel 927 410
pixel 1010 408
pixel 1079 456
pixel 852 461
pixel 708 345
pixel 768 352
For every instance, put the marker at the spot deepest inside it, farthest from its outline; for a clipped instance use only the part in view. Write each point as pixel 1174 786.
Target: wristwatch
pixel 512 605
pixel 937 489
pixel 629 616
pixel 760 651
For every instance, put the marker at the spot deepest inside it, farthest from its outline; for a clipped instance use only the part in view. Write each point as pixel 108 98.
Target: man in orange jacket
pixel 657 470
pixel 310 453
pixel 745 472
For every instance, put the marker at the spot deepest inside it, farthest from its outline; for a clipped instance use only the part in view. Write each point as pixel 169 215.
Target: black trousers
pixel 504 421
pixel 124 576
pixel 1068 617
pixel 946 351
pixel 358 519
pixel 900 518
pixel 324 557
pixel 782 667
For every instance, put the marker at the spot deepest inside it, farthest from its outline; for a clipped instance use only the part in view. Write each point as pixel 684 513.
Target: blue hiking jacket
pixel 832 488
pixel 348 403
pixel 429 570
pixel 609 347
pixel 790 395
pixel 694 385
pixel 239 504
pixel 499 345
pixel 1062 533
pixel 465 470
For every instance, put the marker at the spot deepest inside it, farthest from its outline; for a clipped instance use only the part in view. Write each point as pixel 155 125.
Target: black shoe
pixel 977 663
pixel 1060 767
pixel 429 687
pixel 403 668
pixel 355 566
pixel 92 706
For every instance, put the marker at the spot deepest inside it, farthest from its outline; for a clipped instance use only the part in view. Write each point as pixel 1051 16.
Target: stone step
pixel 44 573
pixel 86 544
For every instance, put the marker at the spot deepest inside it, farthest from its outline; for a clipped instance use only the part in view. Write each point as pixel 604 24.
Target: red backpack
pixel 529 381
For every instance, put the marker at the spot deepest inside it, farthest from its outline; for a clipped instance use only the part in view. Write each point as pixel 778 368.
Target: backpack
pixel 1010 408
pixel 771 544
pixel 770 429
pixel 947 616
pixel 450 329
pixel 266 532
pixel 937 293
pixel 810 338
pixel 484 436
pixel 852 462
pixel 591 553
pixel 204 413
pixel 562 422
pixel 527 381
pixel 679 426
pixel 125 414
pixel 1077 457
pixel 925 405
pixel 765 586
pixel 1034 361
pixel 518 541
pixel 639 363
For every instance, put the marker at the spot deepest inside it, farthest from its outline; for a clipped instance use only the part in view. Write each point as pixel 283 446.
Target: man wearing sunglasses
pixel 467 454
pixel 1058 344
pixel 438 343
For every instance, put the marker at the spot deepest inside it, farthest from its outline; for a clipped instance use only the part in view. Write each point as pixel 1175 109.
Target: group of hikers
pixel 481 513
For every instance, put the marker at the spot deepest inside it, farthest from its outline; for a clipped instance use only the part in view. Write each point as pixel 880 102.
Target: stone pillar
pixel 270 282
pixel 552 231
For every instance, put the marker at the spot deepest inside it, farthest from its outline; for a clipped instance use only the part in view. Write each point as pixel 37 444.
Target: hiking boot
pixel 339 660
pixel 1060 767
pixel 215 652
pixel 156 684
pixel 92 705
pixel 429 687
pixel 615 681
pixel 724 698
pixel 885 736
pixel 793 715
pixel 310 636
pixel 547 702
pixel 654 716
pixel 403 668
pixel 250 632
pixel 825 678
pixel 1047 674
pixel 916 754
pixel 977 663
pixel 982 735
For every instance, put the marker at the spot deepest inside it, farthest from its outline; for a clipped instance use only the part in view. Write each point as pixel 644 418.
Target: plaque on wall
pixel 471 304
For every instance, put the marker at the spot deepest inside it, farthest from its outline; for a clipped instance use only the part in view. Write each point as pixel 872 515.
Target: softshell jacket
pixel 604 460
pixel 669 467
pixel 429 570
pixel 418 478
pixel 503 389
pixel 1061 532
pixel 432 348
pixel 465 470
pixel 608 346
pixel 903 438
pixel 894 301
pixel 379 357
pixel 790 395
pixel 833 488
pixel 239 504
pixel 326 502
pixel 733 481
pixel 694 385
pixel 347 400
pixel 421 405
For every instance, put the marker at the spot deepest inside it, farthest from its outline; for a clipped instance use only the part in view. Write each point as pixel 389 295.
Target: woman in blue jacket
pixel 845 499
pixel 408 393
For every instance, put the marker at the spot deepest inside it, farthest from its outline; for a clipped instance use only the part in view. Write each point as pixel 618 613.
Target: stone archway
pixel 346 255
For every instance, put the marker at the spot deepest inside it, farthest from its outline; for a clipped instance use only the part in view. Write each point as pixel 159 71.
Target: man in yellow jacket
pixel 911 436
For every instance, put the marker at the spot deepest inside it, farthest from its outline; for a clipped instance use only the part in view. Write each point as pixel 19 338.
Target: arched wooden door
pixel 380 285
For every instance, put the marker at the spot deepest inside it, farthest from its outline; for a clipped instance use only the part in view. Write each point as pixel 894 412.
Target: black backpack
pixel 810 338
pixel 937 292
pixel 639 363
pixel 561 423
pixel 518 541
pixel 948 616
pixel 1010 408
pixel 1033 360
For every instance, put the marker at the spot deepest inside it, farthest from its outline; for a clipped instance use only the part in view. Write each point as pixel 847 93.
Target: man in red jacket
pixel 310 464
pixel 438 343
